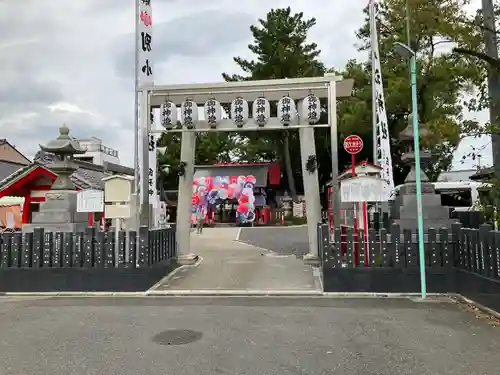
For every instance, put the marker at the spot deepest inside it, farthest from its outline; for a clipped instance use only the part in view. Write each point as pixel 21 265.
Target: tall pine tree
pixel 281 50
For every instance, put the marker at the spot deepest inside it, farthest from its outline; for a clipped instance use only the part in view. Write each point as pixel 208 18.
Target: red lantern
pixel 195 199
pixel 242 208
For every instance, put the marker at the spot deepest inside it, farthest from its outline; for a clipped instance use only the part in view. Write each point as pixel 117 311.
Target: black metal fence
pixel 475 250
pixel 84 262
pixel 90 249
pixel 457 260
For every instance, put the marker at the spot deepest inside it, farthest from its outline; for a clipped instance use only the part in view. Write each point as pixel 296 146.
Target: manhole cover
pixel 176 337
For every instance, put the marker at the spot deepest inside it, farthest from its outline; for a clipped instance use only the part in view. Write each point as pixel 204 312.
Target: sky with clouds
pixel 72 62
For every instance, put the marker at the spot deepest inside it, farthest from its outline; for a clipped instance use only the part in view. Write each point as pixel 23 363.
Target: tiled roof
pixel 82 178
pixel 16 174
pixel 88 179
pixel 87 176
pixel 7 168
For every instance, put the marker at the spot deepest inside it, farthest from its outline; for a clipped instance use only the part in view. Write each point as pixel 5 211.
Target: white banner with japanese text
pixel 144 35
pixel 384 158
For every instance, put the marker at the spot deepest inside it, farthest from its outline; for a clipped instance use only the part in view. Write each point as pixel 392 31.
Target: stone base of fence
pixel 385 280
pixel 29 280
pixel 407 280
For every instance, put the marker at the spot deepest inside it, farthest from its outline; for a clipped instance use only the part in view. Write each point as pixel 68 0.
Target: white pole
pixel 373 30
pixel 136 100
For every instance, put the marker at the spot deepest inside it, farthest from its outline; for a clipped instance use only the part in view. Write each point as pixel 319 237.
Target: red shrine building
pixel 32 182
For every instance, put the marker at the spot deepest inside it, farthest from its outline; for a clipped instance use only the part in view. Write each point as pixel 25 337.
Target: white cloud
pixel 72 61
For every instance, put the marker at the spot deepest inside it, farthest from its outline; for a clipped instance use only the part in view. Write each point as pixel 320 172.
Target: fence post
pixel 411 258
pixel 37 247
pixel 496 253
pixel 483 250
pixel 144 258
pixel 399 256
pixel 456 244
pixel 122 248
pixel 337 254
pixel 5 253
pixel 172 247
pixel 435 257
pixel 489 256
pixel 446 248
pixel 132 246
pixel 57 250
pixel 16 249
pixel 385 252
pixel 109 250
pixel 88 248
pixel 78 250
pixel 319 230
pixel 27 256
pixel 67 249
pixel 48 244
pixel 99 259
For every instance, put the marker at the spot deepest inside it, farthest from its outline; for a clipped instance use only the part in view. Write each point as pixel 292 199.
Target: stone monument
pixel 58 212
pixel 404 208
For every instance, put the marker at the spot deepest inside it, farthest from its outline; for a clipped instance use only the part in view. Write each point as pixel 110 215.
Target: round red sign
pixel 353 144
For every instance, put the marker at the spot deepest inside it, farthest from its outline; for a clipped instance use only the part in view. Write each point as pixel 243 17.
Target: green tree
pixel 282 51
pixel 443 77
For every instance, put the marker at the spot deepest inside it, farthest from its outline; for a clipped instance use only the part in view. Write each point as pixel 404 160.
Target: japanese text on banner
pixel 145 37
pixel 384 158
pixel 152 173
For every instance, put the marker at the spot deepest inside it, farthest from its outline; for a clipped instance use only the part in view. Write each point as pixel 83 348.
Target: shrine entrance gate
pixel 298 107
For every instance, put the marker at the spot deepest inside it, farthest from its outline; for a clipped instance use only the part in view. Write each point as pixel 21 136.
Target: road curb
pixel 75 294
pixel 481 307
pixel 236 293
pixel 173 273
pixel 229 293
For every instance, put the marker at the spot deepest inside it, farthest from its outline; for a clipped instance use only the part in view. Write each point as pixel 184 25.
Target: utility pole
pixel 491 49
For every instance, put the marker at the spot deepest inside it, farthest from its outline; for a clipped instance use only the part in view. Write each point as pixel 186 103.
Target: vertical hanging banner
pixel 144 35
pixel 144 81
pixel 152 175
pixel 383 142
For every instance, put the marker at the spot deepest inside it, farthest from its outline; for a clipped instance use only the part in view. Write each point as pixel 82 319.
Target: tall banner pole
pixel 145 83
pixel 373 42
pixel 382 142
pixel 136 101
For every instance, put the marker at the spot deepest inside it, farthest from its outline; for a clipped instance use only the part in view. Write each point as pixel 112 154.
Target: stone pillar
pixel 311 190
pixel 184 254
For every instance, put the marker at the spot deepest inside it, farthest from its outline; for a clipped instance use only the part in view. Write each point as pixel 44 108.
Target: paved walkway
pixel 231 265
pixel 282 240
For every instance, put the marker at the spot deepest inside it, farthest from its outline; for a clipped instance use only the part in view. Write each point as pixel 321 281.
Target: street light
pixel 408 53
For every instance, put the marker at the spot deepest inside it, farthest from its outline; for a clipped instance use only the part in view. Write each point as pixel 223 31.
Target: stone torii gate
pixel 240 96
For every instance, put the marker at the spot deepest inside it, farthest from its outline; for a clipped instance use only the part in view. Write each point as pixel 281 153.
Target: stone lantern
pixel 59 211
pixel 404 209
pixel 407 138
pixel 64 148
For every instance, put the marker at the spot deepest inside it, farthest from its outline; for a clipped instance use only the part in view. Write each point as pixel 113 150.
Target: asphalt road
pixel 291 240
pixel 238 335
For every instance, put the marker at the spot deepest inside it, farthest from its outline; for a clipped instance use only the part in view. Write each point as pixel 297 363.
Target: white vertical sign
pixel 383 142
pixel 144 77
pixel 144 34
pixel 152 174
pixel 143 103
